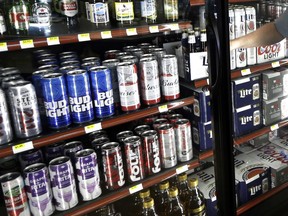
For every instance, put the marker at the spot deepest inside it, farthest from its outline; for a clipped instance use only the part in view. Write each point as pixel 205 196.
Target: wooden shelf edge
pixel 205 155
pixel 202 2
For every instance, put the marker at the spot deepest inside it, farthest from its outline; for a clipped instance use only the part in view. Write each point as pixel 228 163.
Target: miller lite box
pixel 246 91
pixel 272 86
pixel 271 52
pixel 254 177
pixel 276 158
pixel 283 101
pixel 201 105
pixel 202 135
pixel 247 119
pixel 271 111
pixel 198 65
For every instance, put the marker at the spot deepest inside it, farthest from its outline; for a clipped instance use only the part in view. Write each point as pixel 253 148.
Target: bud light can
pixel 113 165
pixel 134 159
pixel 102 91
pixel 151 152
pixel 64 70
pixel 71 148
pixel 14 194
pixel 70 57
pixel 6 134
pixel 88 65
pixel 53 151
pixel 167 145
pixel 30 157
pixel 88 174
pixel 56 100
pixel 141 128
pixel 169 77
pixel 79 95
pixel 52 68
pixel 71 63
pixel 39 192
pixel 128 86
pixel 67 53
pixel 94 59
pixel 24 106
pixel 47 61
pixel 63 183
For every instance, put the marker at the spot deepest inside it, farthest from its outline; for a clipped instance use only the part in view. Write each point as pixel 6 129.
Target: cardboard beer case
pixel 271 52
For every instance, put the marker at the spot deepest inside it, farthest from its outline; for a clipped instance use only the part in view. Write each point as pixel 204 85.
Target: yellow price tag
pixel 136 188
pixel 3 47
pixel 93 127
pixel 106 34
pixel 84 37
pixel 22 147
pixel 163 108
pixel 274 127
pixel 174 26
pixel 25 44
pixel 275 64
pixel 153 29
pixel 131 31
pixel 53 41
pixel 245 72
pixel 182 169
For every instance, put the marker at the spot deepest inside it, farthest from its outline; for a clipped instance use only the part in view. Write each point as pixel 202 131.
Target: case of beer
pixel 271 52
pixel 271 111
pixel 272 85
pixel 202 135
pixel 201 105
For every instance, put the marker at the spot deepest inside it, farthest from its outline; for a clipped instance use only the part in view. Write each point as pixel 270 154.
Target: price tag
pixel 84 37
pixel 131 31
pixel 153 29
pixel 136 188
pixel 245 72
pixel 275 64
pixel 274 127
pixel 174 26
pixel 163 108
pixel 3 47
pixel 182 169
pixel 22 147
pixel 106 34
pixel 93 127
pixel 53 41
pixel 25 44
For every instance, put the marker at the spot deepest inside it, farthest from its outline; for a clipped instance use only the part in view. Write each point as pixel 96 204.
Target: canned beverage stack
pixel 53 151
pixel 71 148
pixel 231 37
pixel 250 27
pixel 6 133
pixel 30 157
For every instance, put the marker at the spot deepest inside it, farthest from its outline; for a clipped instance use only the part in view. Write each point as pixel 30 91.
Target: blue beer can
pixel 56 100
pixel 47 61
pixel 52 68
pixel 72 62
pixel 102 91
pixel 94 59
pixel 71 57
pixel 87 65
pixel 79 95
pixel 66 69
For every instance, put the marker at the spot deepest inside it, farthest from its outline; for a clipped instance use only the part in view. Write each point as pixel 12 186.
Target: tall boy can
pixel 79 95
pixel 53 151
pixel 63 183
pixel 15 197
pixel 71 148
pixel 231 37
pixel 39 192
pixel 30 157
pixel 24 106
pixel 102 91
pixel 250 27
pixel 6 133
pixel 88 174
pixel 56 100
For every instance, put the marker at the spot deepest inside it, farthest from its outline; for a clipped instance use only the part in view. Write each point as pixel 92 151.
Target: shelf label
pixel 182 169
pixel 153 29
pixel 136 188
pixel 274 127
pixel 22 147
pixel 131 31
pixel 245 72
pixel 25 44
pixel 53 41
pixel 174 26
pixel 93 127
pixel 106 34
pixel 84 37
pixel 275 64
pixel 3 47
pixel 163 108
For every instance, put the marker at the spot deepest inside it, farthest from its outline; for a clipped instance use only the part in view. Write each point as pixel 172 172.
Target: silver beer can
pixel 250 27
pixel 6 133
pixel 231 37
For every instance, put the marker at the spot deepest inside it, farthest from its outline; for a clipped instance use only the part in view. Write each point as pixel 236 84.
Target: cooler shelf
pixel 202 2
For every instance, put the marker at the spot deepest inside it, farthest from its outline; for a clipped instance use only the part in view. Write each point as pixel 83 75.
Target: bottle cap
pixel 193 182
pixel 145 193
pixel 164 185
pixel 182 177
pixel 148 202
pixel 173 192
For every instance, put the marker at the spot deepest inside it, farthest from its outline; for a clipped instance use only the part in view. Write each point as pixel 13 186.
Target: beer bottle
pixel 18 13
pixel 196 202
pixel 139 200
pixel 2 23
pixel 149 10
pixel 171 10
pixel 192 42
pixel 124 11
pixel 203 39
pixel 69 9
pixel 183 189
pixel 175 206
pixel 99 12
pixel 197 39
pixel 148 207
pixel 40 14
pixel 162 200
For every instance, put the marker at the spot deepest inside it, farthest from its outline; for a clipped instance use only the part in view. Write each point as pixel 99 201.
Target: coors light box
pixel 271 52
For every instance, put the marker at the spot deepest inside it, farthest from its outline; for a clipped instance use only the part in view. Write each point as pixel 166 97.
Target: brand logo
pixel 121 181
pixel 56 108
pixel 244 92
pixel 104 99
pixel 246 119
pixel 156 159
pixel 80 104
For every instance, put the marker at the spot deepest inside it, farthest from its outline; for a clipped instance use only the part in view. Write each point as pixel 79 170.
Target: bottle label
pixel 19 17
pixel 41 14
pixel 2 25
pixel 148 9
pixel 99 13
pixel 68 8
pixel 171 9
pixel 124 11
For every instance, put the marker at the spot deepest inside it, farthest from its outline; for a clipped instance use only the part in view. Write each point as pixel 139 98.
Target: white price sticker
pixel 136 188
pixel 53 41
pixel 131 31
pixel 25 44
pixel 106 34
pixel 274 127
pixel 84 37
pixel 182 169
pixel 92 128
pixel 174 26
pixel 275 64
pixel 153 29
pixel 22 147
pixel 3 47
pixel 245 72
pixel 163 108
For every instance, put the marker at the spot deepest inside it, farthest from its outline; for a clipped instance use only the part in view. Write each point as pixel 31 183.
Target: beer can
pixel 134 158
pixel 88 174
pixel 52 68
pixel 128 48
pixel 141 128
pixel 128 86
pixel 138 52
pixel 67 53
pixel 47 61
pixel 250 27
pixel 64 70
pixel 119 55
pixel 46 55
pixel 144 46
pixel 70 57
pixel 94 59
pixel 149 81
pixel 129 58
pixel 96 145
pixel 150 119
pixel 9 71
pixel 113 165
pixel 39 191
pixel 7 81
pixel 111 54
pixel 53 151
pixel 14 194
pixel 71 148
pixel 30 157
pixel 150 48
pixel 159 121
pixel 88 65
pixel 9 164
pixel 63 183
pixel 169 77
pixel 56 100
pixel 24 106
pixel 174 117
pixel 102 91
pixel 151 152
pixel 123 134
pixel 183 140
pixel 79 94
pixel 167 114
pixel 97 134
pixel 159 53
pixel 6 133
pixel 231 37
pixel 166 137
pixel 71 62
pixel 149 55
pixel 279 9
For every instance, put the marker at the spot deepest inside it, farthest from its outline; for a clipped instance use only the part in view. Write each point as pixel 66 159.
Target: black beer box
pixel 283 101
pixel 201 105
pixel 247 119
pixel 260 140
pixel 254 177
pixel 271 111
pixel 202 135
pixel 276 158
pixel 272 85
pixel 246 91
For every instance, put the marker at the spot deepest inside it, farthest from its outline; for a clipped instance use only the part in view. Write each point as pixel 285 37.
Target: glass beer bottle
pixel 196 203
pixel 175 206
pixel 124 11
pixel 171 10
pixel 183 189
pixel 162 200
pixel 148 207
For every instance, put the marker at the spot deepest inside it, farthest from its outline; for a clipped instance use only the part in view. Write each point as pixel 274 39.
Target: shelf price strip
pixel 106 34
pixel 153 29
pixel 182 169
pixel 274 127
pixel 26 44
pixel 245 72
pixel 174 26
pixel 135 188
pixel 163 108
pixel 93 127
pixel 84 37
pixel 131 31
pixel 53 41
pixel 22 147
pixel 3 47
pixel 275 64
